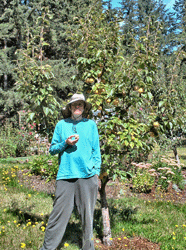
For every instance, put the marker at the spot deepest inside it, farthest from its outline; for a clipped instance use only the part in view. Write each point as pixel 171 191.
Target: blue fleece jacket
pixel 81 160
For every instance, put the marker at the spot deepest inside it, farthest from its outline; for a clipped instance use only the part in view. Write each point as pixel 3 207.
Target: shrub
pixel 8 141
pixel 168 171
pixel 15 142
pixel 161 173
pixel 143 180
pixel 45 165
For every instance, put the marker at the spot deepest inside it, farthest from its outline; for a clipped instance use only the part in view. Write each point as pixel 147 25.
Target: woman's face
pixel 77 108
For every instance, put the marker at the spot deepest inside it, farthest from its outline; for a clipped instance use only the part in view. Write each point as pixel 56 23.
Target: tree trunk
pixel 176 154
pixel 105 214
pixel 5 75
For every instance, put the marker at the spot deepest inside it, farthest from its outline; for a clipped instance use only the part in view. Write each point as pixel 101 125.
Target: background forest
pixel 20 27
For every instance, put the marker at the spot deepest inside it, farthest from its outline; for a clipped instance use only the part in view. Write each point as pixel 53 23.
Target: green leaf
pixel 46 110
pixel 161 103
pixel 31 116
pixel 149 79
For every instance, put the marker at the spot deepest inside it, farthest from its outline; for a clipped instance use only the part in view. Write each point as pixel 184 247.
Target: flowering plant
pixel 168 171
pixel 161 173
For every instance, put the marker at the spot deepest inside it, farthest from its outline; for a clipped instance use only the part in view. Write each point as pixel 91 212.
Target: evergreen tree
pixel 180 8
pixel 18 25
pixel 11 27
pixel 136 16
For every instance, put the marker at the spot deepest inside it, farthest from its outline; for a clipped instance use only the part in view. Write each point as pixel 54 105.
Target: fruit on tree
pixel 132 138
pixel 140 90
pixel 151 134
pixel 116 102
pixel 136 88
pixel 108 100
pixel 100 74
pixel 90 80
pixel 123 93
pixel 100 91
pixel 156 124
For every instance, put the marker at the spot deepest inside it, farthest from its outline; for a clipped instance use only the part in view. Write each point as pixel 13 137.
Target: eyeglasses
pixel 74 128
pixel 75 104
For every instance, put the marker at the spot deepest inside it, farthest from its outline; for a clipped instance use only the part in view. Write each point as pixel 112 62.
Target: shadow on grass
pixel 183 156
pixel 24 215
pixel 73 234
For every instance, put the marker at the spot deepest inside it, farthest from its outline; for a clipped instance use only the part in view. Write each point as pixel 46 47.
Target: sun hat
pixel 76 97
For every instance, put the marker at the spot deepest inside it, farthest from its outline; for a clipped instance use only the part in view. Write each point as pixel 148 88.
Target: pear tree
pixel 117 85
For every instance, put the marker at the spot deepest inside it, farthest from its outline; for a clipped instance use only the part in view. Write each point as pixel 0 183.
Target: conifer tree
pixel 11 26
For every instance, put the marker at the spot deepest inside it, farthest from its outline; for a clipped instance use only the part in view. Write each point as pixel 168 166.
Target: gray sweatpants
pixel 84 193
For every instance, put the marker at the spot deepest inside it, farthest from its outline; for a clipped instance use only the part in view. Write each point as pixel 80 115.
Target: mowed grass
pixel 24 214
pixel 161 222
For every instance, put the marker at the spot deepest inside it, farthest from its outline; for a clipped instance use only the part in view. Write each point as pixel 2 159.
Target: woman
pixel 76 141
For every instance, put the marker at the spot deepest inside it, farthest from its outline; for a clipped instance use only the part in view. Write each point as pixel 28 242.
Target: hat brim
pixel 67 113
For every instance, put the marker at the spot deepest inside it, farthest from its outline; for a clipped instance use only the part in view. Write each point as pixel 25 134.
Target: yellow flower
pixel 174 238
pixel 176 226
pixel 119 238
pixel 23 245
pixel 4 210
pixel 110 239
pixel 15 221
pixel 66 245
pixel 29 195
pixel 123 229
pixel 43 228
pixel 124 238
pixel 41 214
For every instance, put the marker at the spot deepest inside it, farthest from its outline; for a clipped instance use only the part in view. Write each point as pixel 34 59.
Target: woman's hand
pixel 71 142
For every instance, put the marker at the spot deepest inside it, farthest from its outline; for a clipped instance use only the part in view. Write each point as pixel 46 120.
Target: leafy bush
pixel 143 180
pixel 45 165
pixel 9 141
pixel 160 173
pixel 15 142
pixel 169 171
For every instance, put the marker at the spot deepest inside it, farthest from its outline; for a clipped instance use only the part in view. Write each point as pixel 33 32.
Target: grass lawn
pixel 24 213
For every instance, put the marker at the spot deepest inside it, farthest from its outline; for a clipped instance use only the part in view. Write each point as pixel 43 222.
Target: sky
pixel 169 3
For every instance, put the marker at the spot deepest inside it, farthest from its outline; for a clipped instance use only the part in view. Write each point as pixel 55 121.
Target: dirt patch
pixel 136 243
